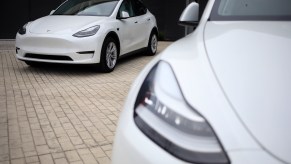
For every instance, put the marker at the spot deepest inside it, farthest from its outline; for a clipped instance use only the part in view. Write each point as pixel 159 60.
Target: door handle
pixel 136 22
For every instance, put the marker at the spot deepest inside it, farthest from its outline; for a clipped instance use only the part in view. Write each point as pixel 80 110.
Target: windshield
pixel 87 7
pixel 251 10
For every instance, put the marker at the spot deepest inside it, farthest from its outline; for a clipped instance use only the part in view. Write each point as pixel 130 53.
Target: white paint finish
pixel 53 35
pixel 201 91
pixel 237 76
pixel 63 24
pixel 252 157
pixel 252 62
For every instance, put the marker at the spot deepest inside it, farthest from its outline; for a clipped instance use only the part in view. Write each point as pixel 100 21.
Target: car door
pixel 143 27
pixel 128 28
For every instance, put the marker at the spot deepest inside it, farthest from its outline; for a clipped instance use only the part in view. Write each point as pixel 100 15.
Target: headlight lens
pixel 164 116
pixel 87 32
pixel 22 30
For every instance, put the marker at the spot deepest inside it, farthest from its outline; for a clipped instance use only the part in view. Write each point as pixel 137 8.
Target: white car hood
pixel 61 24
pixel 252 61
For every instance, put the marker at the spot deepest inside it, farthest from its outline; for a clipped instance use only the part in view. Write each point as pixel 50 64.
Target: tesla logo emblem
pixel 48 30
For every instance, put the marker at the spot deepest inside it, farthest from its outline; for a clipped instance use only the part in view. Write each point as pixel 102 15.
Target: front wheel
pixel 109 55
pixel 153 44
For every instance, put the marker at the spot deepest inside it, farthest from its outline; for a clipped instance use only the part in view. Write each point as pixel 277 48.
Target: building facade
pixel 14 14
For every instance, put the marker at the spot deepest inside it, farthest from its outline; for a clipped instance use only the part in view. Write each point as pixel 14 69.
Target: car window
pixel 251 10
pixel 127 7
pixel 87 7
pixel 139 8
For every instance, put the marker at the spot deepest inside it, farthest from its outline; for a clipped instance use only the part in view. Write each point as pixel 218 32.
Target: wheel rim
pixel 111 55
pixel 154 43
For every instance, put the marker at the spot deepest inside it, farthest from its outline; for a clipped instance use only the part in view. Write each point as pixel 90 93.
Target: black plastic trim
pixel 175 150
pixel 86 52
pixel 48 57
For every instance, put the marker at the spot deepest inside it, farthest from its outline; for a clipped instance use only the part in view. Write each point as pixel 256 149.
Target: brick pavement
pixel 58 114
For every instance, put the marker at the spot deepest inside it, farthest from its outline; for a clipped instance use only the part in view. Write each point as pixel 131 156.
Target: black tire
pixel 153 44
pixel 32 64
pixel 109 55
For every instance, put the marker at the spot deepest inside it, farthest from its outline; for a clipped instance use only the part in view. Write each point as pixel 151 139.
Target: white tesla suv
pixel 88 32
pixel 219 95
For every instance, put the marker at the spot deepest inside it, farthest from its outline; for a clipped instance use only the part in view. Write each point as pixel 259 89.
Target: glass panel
pixel 127 7
pixel 85 7
pixel 251 10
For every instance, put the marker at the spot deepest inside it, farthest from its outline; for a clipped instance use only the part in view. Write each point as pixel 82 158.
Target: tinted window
pixel 126 6
pixel 139 8
pixel 87 7
pixel 251 10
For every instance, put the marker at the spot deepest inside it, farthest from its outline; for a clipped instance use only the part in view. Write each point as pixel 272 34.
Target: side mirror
pixel 190 15
pixel 52 12
pixel 124 15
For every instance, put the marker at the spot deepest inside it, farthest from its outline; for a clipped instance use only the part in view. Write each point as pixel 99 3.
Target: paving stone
pixel 4 162
pixel 42 149
pixel 18 161
pixel 28 146
pixel 4 149
pixel 77 162
pixel 46 159
pixel 72 156
pixel 4 157
pixel 67 146
pixel 32 159
pixel 103 160
pixel 60 113
pixel 76 140
pixel 58 155
pixel 16 153
pixel 98 152
pixel 61 161
pixel 39 140
pixel 88 159
pixel 30 153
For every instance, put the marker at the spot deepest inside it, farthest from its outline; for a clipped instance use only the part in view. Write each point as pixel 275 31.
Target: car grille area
pixel 49 57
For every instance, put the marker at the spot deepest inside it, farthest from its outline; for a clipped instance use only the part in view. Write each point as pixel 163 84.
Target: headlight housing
pixel 87 32
pixel 163 115
pixel 22 30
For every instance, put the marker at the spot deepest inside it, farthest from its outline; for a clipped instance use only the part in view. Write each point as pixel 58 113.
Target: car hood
pixel 252 63
pixel 61 24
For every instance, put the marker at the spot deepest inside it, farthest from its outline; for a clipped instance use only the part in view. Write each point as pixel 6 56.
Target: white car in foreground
pixel 88 32
pixel 219 95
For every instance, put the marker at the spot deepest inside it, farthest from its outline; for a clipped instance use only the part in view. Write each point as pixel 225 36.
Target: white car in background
pixel 219 95
pixel 88 32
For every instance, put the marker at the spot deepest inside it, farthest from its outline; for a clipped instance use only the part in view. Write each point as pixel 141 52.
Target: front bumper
pixel 52 48
pixel 132 146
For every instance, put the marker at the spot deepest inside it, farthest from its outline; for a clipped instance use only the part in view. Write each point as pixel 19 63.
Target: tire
pixel 32 64
pixel 153 44
pixel 109 55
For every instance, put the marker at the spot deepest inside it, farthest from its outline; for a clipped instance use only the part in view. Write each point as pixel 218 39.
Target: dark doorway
pixel 167 14
pixel 15 14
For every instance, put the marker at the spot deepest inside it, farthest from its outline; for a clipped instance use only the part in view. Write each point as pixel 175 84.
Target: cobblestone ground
pixel 58 114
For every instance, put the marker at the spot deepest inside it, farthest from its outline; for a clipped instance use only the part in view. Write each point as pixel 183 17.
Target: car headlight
pixel 163 115
pixel 22 30
pixel 87 32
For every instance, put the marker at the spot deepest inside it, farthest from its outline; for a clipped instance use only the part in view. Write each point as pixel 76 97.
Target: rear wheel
pixel 153 44
pixel 109 55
